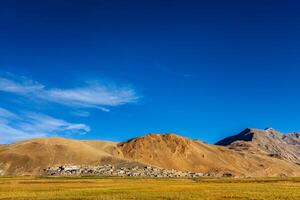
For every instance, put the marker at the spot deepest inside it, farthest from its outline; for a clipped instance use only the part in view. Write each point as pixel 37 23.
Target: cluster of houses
pixel 109 170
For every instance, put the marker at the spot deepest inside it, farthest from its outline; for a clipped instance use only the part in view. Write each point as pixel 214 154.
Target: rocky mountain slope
pixel 251 153
pixel 269 142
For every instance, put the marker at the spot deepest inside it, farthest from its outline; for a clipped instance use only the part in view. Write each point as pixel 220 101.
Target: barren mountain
pixel 268 141
pixel 176 152
pixel 31 156
pixel 160 150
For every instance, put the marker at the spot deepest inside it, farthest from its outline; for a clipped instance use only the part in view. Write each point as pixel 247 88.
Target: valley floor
pixel 138 188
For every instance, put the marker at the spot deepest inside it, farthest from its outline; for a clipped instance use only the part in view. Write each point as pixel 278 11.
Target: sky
pixel 114 70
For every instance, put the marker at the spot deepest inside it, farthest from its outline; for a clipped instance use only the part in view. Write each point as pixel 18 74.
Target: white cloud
pixel 93 95
pixel 6 114
pixel 81 113
pixel 10 134
pixel 14 127
pixel 43 123
pixel 22 86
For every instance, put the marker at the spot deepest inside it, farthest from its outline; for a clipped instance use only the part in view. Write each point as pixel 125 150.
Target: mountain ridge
pixel 268 141
pixel 242 156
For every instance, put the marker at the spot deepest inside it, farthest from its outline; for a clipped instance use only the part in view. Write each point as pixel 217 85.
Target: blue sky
pixel 113 70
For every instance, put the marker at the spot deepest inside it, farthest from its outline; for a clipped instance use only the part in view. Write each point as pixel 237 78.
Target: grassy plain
pixel 128 188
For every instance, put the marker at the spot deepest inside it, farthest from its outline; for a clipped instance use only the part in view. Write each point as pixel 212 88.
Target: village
pixel 109 170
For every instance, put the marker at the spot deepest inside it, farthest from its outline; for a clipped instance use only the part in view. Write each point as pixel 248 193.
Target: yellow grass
pixel 118 188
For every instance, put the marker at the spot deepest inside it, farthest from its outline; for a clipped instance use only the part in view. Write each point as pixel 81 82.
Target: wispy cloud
pixel 81 113
pixel 26 125
pixel 21 86
pixel 91 95
pixel 6 114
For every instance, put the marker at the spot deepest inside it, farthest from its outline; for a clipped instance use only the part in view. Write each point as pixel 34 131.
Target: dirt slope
pixel 28 157
pixel 176 152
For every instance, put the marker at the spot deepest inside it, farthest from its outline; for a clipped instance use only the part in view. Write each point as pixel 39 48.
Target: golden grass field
pixel 138 188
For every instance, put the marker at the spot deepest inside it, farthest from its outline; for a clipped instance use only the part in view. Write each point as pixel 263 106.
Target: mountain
pixel 29 157
pixel 241 155
pixel 269 142
pixel 176 152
